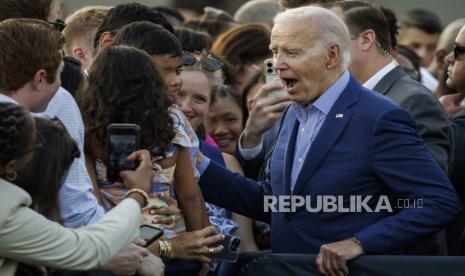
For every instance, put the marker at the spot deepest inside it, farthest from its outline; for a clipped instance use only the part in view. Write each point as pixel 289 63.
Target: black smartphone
pixel 122 140
pixel 231 247
pixel 150 234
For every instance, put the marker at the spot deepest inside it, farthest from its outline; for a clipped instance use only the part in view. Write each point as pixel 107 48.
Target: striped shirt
pixel 79 206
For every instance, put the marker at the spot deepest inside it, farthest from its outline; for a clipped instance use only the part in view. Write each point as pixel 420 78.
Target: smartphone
pixel 231 247
pixel 271 76
pixel 122 140
pixel 150 234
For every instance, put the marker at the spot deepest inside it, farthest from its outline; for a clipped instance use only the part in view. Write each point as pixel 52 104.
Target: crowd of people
pixel 374 110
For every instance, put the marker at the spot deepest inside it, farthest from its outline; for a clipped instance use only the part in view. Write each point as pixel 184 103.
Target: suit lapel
pixel 384 85
pixel 289 157
pixel 333 126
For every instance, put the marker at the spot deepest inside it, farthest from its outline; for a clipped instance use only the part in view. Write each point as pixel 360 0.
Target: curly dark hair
pixel 16 131
pixel 126 87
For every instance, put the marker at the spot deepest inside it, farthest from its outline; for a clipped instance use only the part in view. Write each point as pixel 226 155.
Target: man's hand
pixel 265 112
pixel 151 266
pixel 451 103
pixel 128 260
pixel 333 257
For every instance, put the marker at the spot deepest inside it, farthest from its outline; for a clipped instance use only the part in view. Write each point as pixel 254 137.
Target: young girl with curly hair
pixel 125 86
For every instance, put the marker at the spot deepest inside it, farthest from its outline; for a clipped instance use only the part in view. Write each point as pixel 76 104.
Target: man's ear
pixel 367 39
pixel 79 53
pixel 440 56
pixel 105 40
pixel 334 56
pixel 39 79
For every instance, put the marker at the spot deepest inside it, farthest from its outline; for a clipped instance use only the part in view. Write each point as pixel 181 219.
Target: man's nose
pixel 279 62
pixel 449 58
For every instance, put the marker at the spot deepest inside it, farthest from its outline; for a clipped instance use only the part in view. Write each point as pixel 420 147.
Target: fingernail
pixel 221 246
pixel 155 220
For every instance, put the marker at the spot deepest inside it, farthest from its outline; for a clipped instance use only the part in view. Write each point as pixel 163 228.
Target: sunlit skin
pixel 170 67
pixel 423 43
pixel 194 97
pixel 252 92
pixel 224 124
pixel 456 68
pixel 306 71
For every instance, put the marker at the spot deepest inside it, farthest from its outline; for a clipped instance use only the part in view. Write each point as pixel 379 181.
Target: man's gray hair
pixel 329 28
pixel 257 11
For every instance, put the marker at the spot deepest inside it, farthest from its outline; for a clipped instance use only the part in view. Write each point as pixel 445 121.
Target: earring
pixel 11 176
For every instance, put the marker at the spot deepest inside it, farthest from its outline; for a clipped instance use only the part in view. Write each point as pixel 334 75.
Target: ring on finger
pixel 211 250
pixel 173 217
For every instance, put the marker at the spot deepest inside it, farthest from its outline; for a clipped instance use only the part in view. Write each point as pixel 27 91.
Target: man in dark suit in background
pixel 456 81
pixel 373 65
pixel 375 68
pixel 337 140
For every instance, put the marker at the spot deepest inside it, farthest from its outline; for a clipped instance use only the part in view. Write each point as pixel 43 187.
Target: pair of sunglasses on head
pixel 207 62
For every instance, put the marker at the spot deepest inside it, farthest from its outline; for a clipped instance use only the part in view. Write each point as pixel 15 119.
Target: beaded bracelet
pixel 142 193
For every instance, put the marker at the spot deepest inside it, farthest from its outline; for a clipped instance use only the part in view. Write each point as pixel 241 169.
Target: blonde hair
pixel 83 23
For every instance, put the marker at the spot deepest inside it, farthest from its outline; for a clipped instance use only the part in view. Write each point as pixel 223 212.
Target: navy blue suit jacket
pixel 372 149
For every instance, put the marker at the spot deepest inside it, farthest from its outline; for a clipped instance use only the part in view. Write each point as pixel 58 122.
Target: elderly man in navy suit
pixel 341 145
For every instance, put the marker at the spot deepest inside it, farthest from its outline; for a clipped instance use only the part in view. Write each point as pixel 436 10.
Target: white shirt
pixel 373 81
pixel 5 99
pixel 428 80
pixel 79 207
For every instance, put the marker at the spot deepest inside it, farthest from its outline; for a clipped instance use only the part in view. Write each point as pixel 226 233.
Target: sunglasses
pixel 58 24
pixel 458 51
pixel 207 63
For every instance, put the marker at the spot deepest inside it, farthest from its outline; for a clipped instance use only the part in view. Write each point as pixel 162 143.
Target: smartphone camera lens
pixel 269 64
pixel 269 70
pixel 235 242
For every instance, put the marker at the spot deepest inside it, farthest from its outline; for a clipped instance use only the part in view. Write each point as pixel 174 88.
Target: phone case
pixel 231 248
pixel 116 154
pixel 271 76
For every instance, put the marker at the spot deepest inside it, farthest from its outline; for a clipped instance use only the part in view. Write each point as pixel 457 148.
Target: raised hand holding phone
pixel 122 141
pixel 271 76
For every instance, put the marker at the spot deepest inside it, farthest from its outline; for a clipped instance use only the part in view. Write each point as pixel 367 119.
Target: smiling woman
pixel 224 121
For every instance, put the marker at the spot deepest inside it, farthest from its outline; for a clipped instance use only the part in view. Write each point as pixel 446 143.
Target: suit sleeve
pixel 401 160
pixel 234 192
pixel 28 237
pixel 433 126
pixel 458 131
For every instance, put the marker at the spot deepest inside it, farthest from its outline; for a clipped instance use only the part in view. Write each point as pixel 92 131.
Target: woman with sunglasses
pixel 28 237
pixel 201 77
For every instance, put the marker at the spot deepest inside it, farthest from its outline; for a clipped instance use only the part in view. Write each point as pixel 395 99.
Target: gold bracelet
pixel 169 249
pixel 142 193
pixel 161 246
